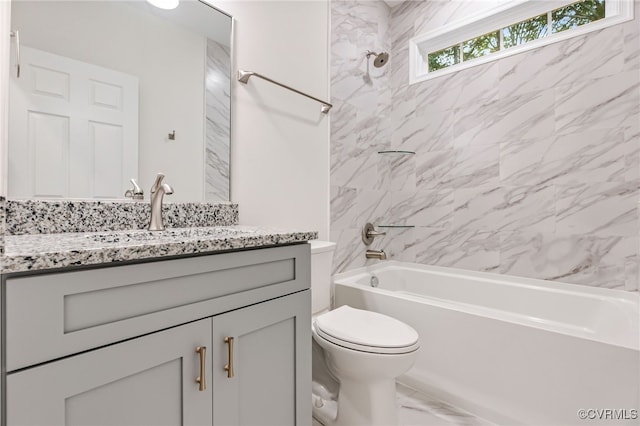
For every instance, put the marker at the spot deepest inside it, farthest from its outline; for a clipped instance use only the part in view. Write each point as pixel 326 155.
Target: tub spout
pixel 376 254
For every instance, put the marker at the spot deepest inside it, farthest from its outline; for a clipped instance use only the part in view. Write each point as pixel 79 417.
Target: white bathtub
pixel 511 350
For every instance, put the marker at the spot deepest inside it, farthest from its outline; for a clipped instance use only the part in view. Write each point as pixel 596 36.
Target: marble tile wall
pixel 218 121
pixel 361 121
pixel 528 166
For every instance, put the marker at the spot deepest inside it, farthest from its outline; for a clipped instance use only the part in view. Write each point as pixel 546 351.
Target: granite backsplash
pixel 21 217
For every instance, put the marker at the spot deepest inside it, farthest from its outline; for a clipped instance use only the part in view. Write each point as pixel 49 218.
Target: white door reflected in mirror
pixel 75 128
pixel 182 61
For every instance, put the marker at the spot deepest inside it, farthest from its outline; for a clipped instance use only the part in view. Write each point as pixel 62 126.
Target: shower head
pixel 380 58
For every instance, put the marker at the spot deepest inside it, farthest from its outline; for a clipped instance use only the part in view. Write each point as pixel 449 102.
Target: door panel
pixel 119 402
pixel 149 380
pixel 271 383
pixel 48 139
pixel 265 358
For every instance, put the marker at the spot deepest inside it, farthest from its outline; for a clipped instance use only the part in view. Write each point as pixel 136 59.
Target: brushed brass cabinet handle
pixel 202 350
pixel 229 367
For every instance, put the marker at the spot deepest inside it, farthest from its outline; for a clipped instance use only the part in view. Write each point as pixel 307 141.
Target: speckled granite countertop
pixel 50 251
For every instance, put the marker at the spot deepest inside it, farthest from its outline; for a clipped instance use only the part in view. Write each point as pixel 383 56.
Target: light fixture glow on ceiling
pixel 165 4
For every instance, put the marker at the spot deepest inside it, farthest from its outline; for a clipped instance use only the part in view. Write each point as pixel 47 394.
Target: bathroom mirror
pixel 114 90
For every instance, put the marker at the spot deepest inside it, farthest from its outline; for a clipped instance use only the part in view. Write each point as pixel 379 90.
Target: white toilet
pixel 364 352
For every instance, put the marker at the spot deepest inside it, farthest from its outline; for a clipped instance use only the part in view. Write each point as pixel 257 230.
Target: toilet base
pixel 365 379
pixel 366 404
pixel 324 410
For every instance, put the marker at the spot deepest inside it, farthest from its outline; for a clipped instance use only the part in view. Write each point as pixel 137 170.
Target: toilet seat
pixel 366 331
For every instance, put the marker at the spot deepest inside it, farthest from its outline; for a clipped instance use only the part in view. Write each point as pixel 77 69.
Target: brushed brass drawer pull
pixel 229 367
pixel 202 350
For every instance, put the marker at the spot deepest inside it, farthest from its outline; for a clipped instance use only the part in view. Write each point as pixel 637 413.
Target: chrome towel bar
pixel 243 77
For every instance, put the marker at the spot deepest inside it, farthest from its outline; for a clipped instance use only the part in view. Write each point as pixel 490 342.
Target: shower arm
pixel 243 77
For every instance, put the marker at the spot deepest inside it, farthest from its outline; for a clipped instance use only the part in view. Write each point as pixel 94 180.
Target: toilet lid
pixel 366 331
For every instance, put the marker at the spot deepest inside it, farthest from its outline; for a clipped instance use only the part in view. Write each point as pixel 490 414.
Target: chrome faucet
pixel 376 254
pixel 157 194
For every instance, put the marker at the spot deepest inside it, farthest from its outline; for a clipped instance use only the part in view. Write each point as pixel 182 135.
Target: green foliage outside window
pixel 481 46
pixel 564 18
pixel 525 31
pixel 444 58
pixel 577 14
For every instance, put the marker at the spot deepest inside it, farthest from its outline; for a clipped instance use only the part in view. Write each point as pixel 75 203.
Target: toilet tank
pixel 321 262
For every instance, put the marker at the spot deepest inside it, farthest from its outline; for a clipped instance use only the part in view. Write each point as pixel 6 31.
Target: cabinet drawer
pixel 58 314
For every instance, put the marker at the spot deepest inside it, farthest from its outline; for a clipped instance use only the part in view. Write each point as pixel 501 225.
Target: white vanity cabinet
pixel 118 345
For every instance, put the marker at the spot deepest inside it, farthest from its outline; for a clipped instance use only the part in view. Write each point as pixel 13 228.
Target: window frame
pixel 494 19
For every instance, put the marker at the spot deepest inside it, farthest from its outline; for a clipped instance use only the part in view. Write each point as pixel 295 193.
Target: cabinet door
pixel 150 380
pixel 271 362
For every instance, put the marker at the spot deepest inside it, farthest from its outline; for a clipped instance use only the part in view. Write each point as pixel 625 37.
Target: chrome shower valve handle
pixel 369 233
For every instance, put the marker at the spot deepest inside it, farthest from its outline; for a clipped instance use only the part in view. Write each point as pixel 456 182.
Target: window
pixel 525 31
pixel 577 14
pixel 513 28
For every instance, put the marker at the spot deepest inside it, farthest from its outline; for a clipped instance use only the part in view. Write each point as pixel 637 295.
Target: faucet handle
pixel 369 233
pixel 168 190
pixel 156 185
pixel 136 187
pixel 136 193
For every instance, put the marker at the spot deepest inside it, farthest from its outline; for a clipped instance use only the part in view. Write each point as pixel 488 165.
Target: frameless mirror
pixel 114 90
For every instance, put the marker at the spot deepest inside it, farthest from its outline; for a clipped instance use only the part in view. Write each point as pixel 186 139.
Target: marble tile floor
pixel 416 409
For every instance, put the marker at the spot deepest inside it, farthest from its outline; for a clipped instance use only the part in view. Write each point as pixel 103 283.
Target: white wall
pixel 164 106
pixel 280 140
